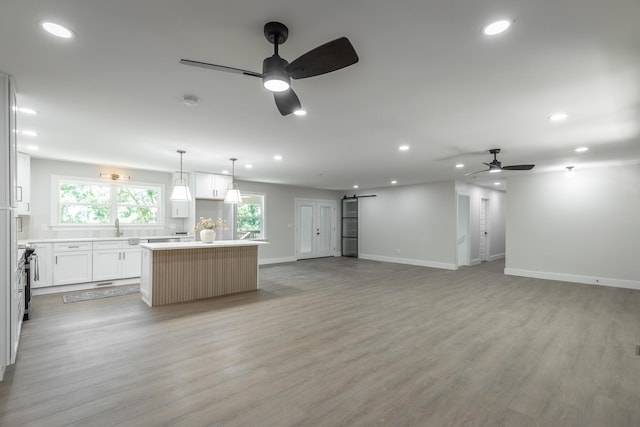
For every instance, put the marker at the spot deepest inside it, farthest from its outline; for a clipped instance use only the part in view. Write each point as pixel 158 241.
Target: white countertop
pixel 195 245
pixel 99 239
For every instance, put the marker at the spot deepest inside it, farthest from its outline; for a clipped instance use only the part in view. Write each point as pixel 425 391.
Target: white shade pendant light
pixel 181 191
pixel 233 192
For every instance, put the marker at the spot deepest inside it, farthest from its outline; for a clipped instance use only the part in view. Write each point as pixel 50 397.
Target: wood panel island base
pixel 185 271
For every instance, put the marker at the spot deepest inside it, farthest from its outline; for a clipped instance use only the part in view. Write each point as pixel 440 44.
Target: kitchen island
pixel 185 271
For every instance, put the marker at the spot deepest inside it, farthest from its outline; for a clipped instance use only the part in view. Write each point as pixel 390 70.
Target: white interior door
pixel 484 234
pixel 316 228
pixel 464 205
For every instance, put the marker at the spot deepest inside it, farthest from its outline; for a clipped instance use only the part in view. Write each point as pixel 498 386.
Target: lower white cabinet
pixel 115 260
pixel 44 267
pixel 72 263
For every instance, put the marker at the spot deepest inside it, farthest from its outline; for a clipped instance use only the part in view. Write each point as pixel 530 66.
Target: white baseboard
pixel 276 260
pixel 575 278
pixel 496 257
pixel 83 286
pixel 418 262
pixel 476 261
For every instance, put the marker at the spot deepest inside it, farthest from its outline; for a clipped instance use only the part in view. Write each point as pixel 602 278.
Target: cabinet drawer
pixel 72 246
pixel 111 244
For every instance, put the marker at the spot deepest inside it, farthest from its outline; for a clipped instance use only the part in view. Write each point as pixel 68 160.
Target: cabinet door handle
pixel 28 207
pixel 119 256
pixel 19 191
pixel 73 247
pixel 56 259
pixel 124 255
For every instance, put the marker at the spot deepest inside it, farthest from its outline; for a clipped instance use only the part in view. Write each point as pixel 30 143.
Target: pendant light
pixel 181 191
pixel 233 192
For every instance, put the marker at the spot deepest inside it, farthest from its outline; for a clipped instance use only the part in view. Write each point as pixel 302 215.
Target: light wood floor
pixel 337 342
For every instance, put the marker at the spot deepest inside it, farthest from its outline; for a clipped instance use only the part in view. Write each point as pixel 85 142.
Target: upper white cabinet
pixel 23 185
pixel 211 186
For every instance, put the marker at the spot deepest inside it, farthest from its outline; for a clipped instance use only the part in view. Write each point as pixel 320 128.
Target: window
pixel 99 203
pixel 250 218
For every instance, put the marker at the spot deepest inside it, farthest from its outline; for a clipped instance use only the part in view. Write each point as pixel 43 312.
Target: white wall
pixel 280 216
pixel 41 172
pixel 584 229
pixel 411 225
pixel 497 215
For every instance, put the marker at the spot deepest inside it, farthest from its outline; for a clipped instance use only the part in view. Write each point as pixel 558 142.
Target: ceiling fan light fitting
pixel 274 76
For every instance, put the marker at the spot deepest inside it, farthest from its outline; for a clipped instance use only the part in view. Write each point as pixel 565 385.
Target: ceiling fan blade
pixel 220 68
pixel 287 102
pixel 518 167
pixel 473 173
pixel 326 58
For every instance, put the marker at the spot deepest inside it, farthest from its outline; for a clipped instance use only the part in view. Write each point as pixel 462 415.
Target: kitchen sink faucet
pixel 118 232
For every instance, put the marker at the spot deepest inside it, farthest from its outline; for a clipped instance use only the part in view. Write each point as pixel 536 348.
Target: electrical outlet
pixel 398 250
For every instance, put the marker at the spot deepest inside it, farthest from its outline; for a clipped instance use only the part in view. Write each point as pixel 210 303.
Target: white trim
pixel 83 286
pixel 496 257
pixel 575 278
pixel 418 262
pixel 276 260
pixel 476 261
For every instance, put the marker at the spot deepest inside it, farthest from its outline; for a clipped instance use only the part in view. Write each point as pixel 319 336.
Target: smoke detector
pixel 190 100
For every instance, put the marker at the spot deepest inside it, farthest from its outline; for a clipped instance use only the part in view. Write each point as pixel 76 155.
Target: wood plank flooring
pixel 337 342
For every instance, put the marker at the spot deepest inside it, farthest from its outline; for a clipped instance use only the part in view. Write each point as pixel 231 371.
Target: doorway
pixel 463 226
pixel 484 230
pixel 315 228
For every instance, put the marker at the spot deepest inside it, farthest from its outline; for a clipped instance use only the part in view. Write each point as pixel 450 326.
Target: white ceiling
pixel 427 77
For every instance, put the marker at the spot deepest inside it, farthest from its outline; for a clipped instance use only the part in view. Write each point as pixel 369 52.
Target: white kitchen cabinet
pixel 72 263
pixel 23 184
pixel 180 209
pixel 131 262
pixel 44 266
pixel 211 186
pixel 113 260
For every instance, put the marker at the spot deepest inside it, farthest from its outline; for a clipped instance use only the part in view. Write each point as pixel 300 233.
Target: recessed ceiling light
pixel 190 100
pixel 33 147
pixel 277 157
pixel 248 166
pixel 225 172
pixel 496 183
pixel 300 112
pixel 558 117
pixel 57 30
pixel 581 149
pixel 497 27
pixel 460 165
pixel 394 182
pixel 403 148
pixel 495 170
pixel 30 132
pixel 355 186
pixel 27 110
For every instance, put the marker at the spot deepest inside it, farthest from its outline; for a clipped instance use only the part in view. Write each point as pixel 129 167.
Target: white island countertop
pixel 196 245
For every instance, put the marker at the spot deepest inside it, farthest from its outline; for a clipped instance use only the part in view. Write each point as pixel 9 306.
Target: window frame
pixel 263 231
pixel 56 180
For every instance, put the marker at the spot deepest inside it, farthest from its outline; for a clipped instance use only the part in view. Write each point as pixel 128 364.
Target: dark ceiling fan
pixel 277 72
pixel 496 166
